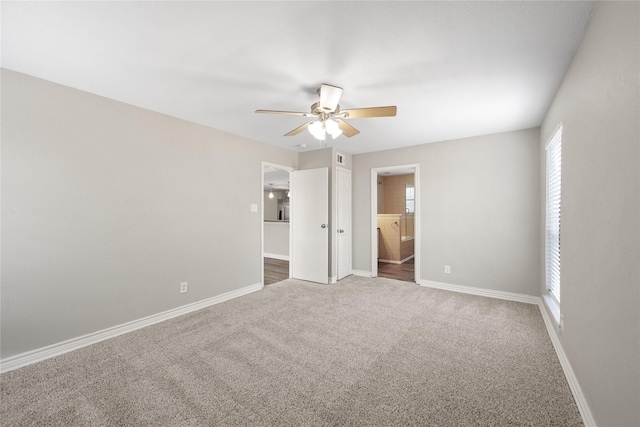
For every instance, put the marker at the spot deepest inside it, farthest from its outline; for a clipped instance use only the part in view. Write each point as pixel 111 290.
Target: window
pixel 410 199
pixel 553 214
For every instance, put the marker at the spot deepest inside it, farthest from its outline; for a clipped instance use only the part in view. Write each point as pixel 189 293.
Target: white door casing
pixel 262 186
pixel 374 216
pixel 309 222
pixel 343 230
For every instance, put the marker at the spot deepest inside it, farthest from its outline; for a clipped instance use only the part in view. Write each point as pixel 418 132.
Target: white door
pixel 309 254
pixel 343 229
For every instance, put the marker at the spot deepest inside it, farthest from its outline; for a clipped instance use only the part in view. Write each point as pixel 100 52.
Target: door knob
pixel 323 225
pixel 341 231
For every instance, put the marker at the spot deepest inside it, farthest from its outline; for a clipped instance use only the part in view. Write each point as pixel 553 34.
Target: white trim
pixel 361 273
pixel 33 356
pixel 280 167
pixel 574 385
pixel 417 223
pixel 553 203
pixel 374 222
pixel 529 299
pixel 333 279
pixel 350 231
pixel 391 261
pixel 374 215
pixel 555 130
pixel 554 309
pixel 276 256
pixel 581 402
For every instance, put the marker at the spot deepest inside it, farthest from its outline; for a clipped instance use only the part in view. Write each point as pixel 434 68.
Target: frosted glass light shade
pixel 317 130
pixel 332 128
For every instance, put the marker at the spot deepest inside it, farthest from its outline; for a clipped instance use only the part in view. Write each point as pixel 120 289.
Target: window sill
pixel 554 309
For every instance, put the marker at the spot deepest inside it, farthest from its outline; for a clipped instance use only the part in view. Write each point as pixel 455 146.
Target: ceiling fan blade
pixel 347 129
pixel 329 97
pixel 361 113
pixel 293 113
pixel 299 129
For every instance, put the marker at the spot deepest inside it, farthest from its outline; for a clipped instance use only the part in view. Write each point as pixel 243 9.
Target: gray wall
pixel 600 274
pixel 107 207
pixel 479 200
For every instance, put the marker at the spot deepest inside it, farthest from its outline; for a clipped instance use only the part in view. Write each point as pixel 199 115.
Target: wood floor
pixel 275 270
pixel 403 271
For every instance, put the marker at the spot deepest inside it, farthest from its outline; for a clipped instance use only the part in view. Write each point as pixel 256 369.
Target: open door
pixel 310 225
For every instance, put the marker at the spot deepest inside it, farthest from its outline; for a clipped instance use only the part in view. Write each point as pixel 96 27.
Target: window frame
pixel 553 222
pixel 410 202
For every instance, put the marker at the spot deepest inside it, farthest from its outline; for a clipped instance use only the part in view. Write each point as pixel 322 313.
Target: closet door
pixel 310 225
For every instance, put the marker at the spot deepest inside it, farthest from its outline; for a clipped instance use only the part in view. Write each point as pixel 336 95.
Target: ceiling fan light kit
pixel 332 128
pixel 328 116
pixel 317 130
pixel 320 128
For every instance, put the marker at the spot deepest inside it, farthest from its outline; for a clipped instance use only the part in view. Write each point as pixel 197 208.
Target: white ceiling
pixel 454 69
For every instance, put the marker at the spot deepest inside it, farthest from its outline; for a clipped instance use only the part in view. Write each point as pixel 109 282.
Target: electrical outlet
pixel 447 269
pixel 183 287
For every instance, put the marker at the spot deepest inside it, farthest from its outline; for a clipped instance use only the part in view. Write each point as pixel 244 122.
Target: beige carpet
pixel 371 352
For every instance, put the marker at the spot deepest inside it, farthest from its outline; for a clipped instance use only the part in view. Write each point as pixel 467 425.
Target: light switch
pixel 254 207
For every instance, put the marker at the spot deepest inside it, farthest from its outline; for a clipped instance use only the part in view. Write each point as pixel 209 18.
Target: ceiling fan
pixel 328 118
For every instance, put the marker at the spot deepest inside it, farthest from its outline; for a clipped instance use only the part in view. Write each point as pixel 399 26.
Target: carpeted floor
pixel 371 352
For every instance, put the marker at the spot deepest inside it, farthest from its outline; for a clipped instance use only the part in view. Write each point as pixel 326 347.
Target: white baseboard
pixel 276 256
pixel 583 407
pixel 361 273
pixel 581 402
pixel 33 356
pixel 511 296
pixel 391 261
pixel 333 279
pixel 30 357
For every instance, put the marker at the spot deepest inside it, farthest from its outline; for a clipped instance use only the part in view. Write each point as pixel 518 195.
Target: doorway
pixel 295 225
pixel 276 229
pixel 395 251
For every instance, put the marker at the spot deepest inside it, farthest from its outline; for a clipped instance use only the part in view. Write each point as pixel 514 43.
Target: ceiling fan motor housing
pixel 323 113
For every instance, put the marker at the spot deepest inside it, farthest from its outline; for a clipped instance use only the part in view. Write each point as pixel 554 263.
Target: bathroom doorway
pixel 395 248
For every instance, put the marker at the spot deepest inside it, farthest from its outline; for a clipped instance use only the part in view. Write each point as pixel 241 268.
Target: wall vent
pixel 339 159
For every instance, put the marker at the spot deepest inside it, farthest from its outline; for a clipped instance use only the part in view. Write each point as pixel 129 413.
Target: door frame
pixel 279 167
pixel 337 204
pixel 374 216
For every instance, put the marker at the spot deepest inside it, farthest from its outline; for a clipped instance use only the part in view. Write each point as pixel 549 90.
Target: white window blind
pixel 553 217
